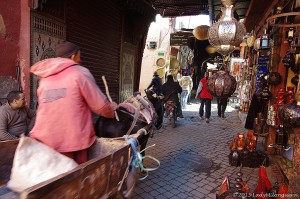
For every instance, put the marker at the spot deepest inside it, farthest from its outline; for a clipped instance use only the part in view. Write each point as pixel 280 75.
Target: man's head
pixel 68 50
pixel 155 74
pixel 170 78
pixel 16 99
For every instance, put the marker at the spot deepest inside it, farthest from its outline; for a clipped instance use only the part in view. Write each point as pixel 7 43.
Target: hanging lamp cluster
pixel 227 33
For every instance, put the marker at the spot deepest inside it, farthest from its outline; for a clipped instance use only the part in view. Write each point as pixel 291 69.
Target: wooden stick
pixel 108 95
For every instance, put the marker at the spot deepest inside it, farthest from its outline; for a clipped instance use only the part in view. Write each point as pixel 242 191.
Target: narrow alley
pixel 193 157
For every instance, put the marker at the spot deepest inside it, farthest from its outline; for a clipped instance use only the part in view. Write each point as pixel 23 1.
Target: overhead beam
pixel 260 28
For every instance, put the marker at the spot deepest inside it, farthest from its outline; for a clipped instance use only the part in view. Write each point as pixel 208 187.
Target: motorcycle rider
pixel 171 90
pixel 155 98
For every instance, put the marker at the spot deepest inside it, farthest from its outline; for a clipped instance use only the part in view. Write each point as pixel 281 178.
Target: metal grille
pixel 96 27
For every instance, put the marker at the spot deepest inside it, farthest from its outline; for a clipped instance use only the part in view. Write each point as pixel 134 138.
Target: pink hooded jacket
pixel 67 93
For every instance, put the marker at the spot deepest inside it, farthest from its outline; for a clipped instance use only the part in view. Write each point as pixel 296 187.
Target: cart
pixel 100 177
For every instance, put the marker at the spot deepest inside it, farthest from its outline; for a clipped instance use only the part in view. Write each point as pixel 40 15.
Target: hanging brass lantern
pixel 224 49
pixel 226 33
pixel 257 45
pixel 221 84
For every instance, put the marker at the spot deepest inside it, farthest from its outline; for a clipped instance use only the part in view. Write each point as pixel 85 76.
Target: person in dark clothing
pixel 155 98
pixel 156 84
pixel 256 106
pixel 170 90
pixel 222 104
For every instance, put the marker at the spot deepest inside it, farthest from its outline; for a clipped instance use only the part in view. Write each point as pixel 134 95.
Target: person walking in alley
pixel 67 94
pixel 15 117
pixel 205 98
pixel 222 104
pixel 154 94
pixel 186 84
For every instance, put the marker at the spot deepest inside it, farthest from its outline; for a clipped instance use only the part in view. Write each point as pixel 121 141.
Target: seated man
pixel 15 117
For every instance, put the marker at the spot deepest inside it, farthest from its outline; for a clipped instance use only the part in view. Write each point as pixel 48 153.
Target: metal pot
pixel 289 114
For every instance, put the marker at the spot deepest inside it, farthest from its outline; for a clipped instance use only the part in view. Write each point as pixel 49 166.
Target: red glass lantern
pixel 240 141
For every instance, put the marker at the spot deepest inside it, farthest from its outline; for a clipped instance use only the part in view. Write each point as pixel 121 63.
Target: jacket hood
pixel 51 66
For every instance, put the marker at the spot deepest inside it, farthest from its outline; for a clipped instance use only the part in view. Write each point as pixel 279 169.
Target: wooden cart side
pixel 7 154
pixel 72 183
pixel 97 178
pixel 119 165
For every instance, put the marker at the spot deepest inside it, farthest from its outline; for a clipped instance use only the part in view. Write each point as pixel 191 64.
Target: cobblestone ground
pixel 193 157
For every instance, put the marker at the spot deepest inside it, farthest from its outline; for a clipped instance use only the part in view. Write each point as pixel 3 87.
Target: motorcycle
pixel 170 111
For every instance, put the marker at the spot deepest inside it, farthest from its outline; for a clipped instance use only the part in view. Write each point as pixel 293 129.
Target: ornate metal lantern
pixel 226 33
pixel 257 43
pixel 274 78
pixel 289 114
pixel 221 84
pixel 289 59
pixel 224 49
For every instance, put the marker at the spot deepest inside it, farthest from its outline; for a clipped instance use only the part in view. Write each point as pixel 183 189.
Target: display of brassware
pixel 259 126
pixel 271 117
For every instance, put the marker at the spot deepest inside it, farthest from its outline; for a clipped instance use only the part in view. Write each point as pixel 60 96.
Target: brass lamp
pixel 227 33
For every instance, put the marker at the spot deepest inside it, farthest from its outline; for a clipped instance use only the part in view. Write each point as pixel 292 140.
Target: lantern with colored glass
pixel 265 41
pixel 240 141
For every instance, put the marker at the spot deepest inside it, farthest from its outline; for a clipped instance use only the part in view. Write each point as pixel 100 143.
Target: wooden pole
pixel 108 95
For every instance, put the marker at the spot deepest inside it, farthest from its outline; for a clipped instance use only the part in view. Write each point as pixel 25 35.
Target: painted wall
pixel 14 45
pixel 159 31
pixel 10 18
pixel 24 49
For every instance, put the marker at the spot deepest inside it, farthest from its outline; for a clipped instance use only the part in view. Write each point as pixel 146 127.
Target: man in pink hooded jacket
pixel 67 94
